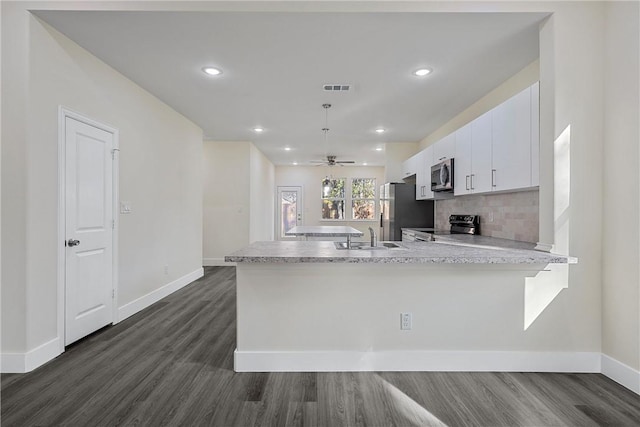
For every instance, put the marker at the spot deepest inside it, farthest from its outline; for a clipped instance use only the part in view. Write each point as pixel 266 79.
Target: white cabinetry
pixel 445 148
pixel 423 176
pixel 498 151
pixel 410 166
pixel 511 165
pixel 462 163
pixel 481 153
pixel 473 157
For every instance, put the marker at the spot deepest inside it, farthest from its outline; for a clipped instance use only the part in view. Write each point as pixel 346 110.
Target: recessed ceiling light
pixel 287 148
pixel 364 164
pixel 295 163
pixel 212 71
pixel 258 129
pixel 379 149
pixel 380 130
pixel 422 72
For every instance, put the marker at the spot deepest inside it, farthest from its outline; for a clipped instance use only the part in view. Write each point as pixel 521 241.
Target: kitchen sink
pixel 366 247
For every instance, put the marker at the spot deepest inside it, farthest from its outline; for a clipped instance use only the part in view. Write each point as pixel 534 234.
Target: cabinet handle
pixel 466 178
pixel 493 177
pixel 472 175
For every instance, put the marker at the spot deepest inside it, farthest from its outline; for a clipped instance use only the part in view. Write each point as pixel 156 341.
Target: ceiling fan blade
pixel 345 161
pixel 317 161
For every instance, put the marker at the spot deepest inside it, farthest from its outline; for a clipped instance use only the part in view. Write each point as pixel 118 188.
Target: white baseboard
pixel 470 361
pixel 621 373
pixel 145 301
pixel 18 363
pixel 216 262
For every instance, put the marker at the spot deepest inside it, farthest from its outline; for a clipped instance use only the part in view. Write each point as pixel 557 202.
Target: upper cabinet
pixel 462 167
pixel 511 144
pixel 410 166
pixel 423 176
pixel 498 151
pixel 481 153
pixel 473 157
pixel 444 148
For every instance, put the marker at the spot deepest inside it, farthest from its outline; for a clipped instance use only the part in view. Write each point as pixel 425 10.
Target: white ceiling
pixel 274 66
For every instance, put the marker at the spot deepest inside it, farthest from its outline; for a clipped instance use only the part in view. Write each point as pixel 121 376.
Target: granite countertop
pixel 453 250
pixel 323 231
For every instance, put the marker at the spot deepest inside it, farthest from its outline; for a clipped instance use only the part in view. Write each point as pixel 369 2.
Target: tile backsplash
pixel 515 215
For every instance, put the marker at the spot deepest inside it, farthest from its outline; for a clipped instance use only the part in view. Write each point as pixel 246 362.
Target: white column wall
pixel 226 199
pixel 621 237
pixel 262 195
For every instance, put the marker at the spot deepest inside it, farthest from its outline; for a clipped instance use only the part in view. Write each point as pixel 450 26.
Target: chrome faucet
pixel 373 237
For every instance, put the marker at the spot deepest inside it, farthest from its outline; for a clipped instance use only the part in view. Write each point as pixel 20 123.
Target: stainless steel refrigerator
pixel 400 209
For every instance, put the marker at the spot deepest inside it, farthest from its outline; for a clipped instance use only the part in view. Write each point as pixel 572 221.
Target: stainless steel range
pixel 464 224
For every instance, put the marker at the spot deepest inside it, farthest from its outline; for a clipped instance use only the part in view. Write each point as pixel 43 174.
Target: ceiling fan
pixel 331 160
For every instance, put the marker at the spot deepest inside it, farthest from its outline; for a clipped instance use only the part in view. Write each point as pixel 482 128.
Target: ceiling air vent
pixel 336 88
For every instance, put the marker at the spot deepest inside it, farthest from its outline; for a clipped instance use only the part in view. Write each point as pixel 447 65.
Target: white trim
pixel 145 301
pixel 399 360
pixel 621 373
pixel 20 363
pixel 63 113
pixel 217 262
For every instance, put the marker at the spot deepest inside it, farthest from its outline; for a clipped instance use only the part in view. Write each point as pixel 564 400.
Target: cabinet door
pixel 481 139
pixel 427 162
pixel 462 161
pixel 419 176
pixel 409 166
pixel 535 135
pixel 423 178
pixel 445 148
pixel 511 157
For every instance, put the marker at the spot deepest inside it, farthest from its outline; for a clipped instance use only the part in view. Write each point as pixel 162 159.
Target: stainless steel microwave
pixel 442 176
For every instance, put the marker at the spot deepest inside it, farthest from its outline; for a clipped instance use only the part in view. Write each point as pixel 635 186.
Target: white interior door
pixel 289 206
pixel 88 229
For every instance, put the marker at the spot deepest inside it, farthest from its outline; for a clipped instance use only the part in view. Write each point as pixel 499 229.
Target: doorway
pixel 289 211
pixel 88 173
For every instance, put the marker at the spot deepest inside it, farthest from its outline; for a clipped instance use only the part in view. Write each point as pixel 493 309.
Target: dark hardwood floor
pixel 172 364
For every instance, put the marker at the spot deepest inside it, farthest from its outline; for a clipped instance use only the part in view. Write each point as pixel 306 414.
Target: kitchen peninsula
pixel 308 306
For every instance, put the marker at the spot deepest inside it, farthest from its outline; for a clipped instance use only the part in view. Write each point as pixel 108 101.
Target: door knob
pixel 72 242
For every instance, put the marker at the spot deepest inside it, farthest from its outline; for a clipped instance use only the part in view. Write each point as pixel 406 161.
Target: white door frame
pixel 300 202
pixel 63 113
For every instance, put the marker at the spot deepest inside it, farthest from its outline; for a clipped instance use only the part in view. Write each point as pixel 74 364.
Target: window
pixel 333 198
pixel 361 195
pixel 363 198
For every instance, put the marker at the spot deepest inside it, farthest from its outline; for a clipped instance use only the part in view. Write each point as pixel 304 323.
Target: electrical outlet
pixel 405 321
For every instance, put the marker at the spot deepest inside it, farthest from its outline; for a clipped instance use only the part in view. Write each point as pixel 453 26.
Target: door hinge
pixel 113 293
pixel 113 224
pixel 113 153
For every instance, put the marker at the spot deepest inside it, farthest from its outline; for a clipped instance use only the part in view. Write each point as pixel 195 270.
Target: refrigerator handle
pixel 381 220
